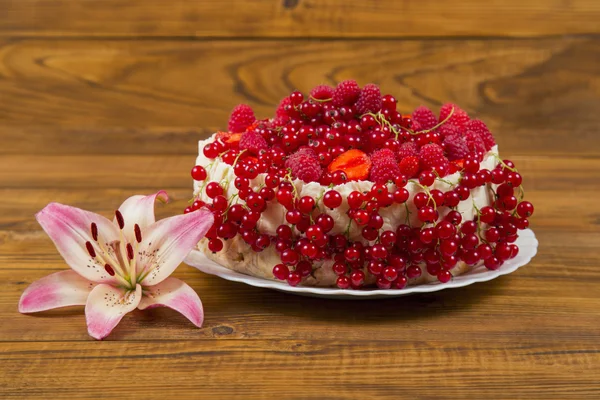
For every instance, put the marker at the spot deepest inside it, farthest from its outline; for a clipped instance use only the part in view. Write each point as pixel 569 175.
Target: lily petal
pixel 60 289
pixel 106 306
pixel 70 229
pixel 176 295
pixel 167 242
pixel 139 210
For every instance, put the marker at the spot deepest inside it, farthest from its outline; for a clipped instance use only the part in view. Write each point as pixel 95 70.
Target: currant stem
pixel 426 190
pixel 319 100
pixel 238 157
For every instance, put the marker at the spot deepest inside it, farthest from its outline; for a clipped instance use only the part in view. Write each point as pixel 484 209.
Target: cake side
pixel 239 256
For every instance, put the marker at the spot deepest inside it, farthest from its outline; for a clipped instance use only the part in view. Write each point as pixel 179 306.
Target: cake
pixel 341 189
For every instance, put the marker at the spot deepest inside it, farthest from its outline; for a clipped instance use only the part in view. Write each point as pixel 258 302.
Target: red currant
pixel 427 178
pixel 332 199
pixel 427 214
pixel 256 202
pixel 357 278
pixel 413 271
pixel 290 257
pixel 355 199
pixel 198 173
pixel 343 282
pixel 444 276
pixel 306 204
pixel 294 278
pixel 280 271
pixel 215 245
pixel 525 209
pixel 361 217
pixel 213 189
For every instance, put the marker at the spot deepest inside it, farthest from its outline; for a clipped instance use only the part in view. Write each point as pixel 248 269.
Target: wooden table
pixel 103 99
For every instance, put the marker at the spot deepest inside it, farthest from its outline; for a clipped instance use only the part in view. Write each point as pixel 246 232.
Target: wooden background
pixel 101 99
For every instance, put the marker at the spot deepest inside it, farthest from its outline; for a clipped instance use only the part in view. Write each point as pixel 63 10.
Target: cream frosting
pixel 237 255
pixel 392 216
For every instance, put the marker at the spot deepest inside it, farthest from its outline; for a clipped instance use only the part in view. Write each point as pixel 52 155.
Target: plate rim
pixel 213 268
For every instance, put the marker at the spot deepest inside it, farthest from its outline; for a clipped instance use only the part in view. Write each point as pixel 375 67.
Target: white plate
pixel 527 249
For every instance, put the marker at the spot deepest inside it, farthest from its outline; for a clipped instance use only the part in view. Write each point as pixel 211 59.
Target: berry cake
pixel 341 189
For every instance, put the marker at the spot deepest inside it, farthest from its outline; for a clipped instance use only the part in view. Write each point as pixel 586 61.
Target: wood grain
pixel 154 172
pixel 103 99
pixel 349 369
pixel 297 18
pixel 532 93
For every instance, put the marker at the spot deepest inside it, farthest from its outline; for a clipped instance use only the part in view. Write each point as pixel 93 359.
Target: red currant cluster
pixel 340 127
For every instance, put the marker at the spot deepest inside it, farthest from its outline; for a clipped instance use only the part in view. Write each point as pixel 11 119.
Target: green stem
pixel 501 162
pixel 347 231
pixel 438 125
pixel 426 190
pixel 319 100
pixel 238 157
pixel 447 182
pixel 319 198
pixel 229 204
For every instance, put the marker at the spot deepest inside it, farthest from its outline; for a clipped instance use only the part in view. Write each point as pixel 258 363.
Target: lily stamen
pixel 94 230
pixel 120 219
pixel 90 249
pixel 109 269
pixel 138 233
pixel 130 251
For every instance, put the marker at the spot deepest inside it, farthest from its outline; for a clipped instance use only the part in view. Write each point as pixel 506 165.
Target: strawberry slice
pixel 355 163
pixel 231 139
pixel 457 165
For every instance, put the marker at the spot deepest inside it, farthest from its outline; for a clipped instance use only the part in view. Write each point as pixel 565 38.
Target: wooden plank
pixel 540 301
pixel 20 205
pixel 94 139
pixel 555 296
pixel 297 18
pixel 323 369
pixel 76 97
pixel 153 172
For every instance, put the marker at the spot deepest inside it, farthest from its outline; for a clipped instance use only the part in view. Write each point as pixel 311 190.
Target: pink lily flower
pixel 118 265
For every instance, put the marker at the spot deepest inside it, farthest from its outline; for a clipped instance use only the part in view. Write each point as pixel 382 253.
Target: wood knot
pixel 290 4
pixel 222 330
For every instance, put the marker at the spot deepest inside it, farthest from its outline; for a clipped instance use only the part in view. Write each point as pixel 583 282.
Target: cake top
pixel 347 133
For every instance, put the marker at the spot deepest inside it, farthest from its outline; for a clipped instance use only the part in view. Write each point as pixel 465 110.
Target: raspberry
pixel 253 142
pixel 304 165
pixel 241 117
pixel 322 92
pixel 407 149
pixel 475 142
pixel 416 127
pixel 456 147
pixel 432 156
pixel 482 130
pixel 449 130
pixel 346 93
pixel 409 166
pixel 425 117
pixel 306 150
pixel 459 117
pixel 382 155
pixel 281 108
pixel 384 166
pixel 369 99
